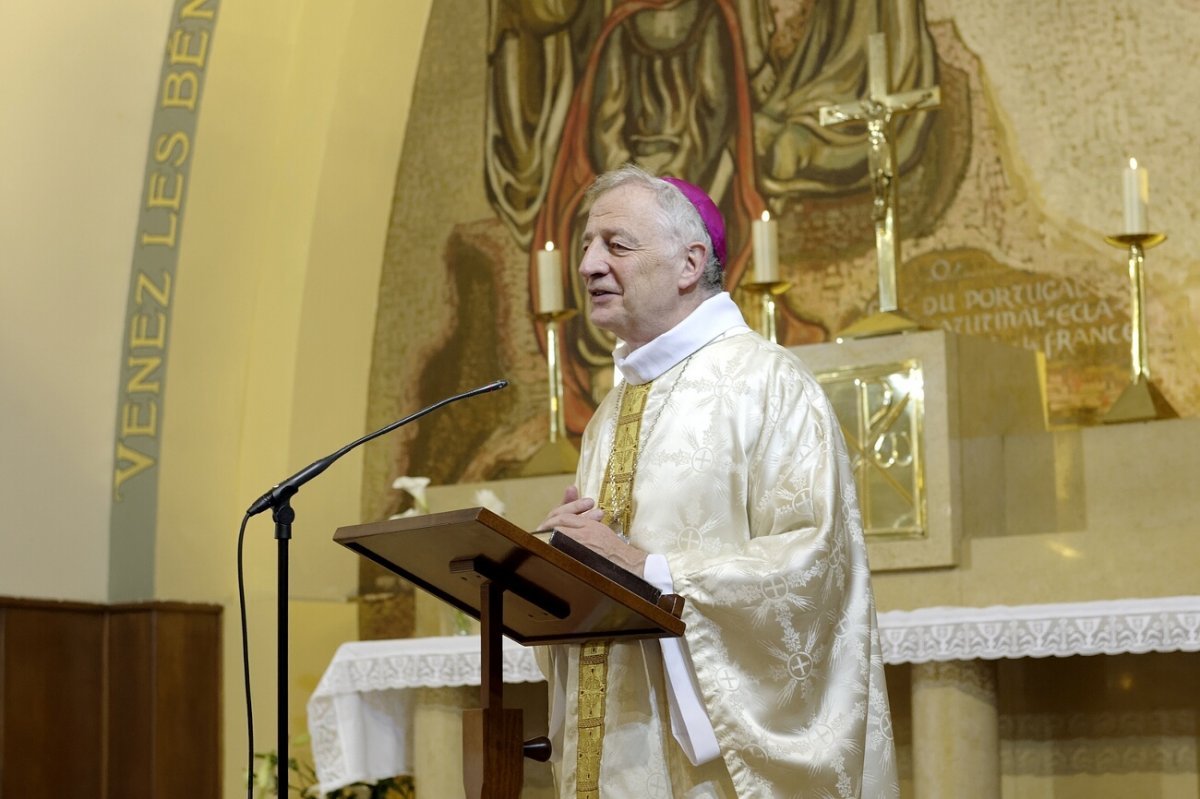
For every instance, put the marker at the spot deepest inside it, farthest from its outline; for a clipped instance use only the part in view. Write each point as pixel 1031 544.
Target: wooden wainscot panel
pixel 109 700
pixel 51 699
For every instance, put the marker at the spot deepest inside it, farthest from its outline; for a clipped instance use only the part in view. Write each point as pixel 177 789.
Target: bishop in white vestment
pixel 742 500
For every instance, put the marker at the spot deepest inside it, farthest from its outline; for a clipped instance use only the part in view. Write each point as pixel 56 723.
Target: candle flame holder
pixel 558 455
pixel 1141 400
pixel 768 311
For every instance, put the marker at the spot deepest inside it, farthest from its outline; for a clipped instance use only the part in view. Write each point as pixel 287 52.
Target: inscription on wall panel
pixel 1084 334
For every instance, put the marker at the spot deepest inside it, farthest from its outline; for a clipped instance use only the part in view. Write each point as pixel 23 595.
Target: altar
pixel 367 720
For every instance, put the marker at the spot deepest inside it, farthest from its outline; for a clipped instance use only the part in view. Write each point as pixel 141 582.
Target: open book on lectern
pixel 556 590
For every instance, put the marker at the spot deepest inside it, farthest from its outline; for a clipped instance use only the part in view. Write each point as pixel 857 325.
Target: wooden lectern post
pixel 492 745
pixel 522 587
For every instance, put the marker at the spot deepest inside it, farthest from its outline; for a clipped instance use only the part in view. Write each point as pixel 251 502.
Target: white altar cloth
pixel 360 715
pixel 1123 626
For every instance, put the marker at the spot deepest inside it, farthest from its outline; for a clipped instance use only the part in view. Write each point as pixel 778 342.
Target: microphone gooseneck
pixel 284 490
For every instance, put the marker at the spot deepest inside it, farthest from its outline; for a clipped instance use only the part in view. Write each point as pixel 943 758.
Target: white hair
pixel 678 217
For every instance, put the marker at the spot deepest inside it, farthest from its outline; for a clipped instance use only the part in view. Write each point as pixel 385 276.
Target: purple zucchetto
pixel 710 215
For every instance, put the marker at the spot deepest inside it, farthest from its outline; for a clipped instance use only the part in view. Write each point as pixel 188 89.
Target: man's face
pixel 633 270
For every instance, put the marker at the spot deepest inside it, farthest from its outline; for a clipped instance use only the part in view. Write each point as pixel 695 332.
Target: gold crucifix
pixel 877 110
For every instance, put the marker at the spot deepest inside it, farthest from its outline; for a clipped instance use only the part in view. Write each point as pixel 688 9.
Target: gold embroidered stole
pixel 616 498
pixel 616 493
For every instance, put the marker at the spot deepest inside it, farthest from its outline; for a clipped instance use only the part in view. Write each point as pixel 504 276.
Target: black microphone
pixel 283 491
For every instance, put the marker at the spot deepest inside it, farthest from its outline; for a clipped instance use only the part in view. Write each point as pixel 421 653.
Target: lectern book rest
pixel 555 591
pixel 516 585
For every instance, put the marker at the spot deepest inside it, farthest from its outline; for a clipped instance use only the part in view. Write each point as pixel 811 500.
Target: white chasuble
pixel 744 485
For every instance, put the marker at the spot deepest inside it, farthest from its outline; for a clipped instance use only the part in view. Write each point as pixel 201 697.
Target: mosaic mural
pixel 518 105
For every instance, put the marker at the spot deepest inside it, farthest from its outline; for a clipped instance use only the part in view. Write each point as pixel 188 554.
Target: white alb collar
pixel 716 315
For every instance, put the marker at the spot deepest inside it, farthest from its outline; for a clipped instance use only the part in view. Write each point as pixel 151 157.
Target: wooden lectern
pixel 520 586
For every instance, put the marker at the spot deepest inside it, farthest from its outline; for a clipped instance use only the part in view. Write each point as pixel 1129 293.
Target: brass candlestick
pixel 1141 400
pixel 558 455
pixel 767 292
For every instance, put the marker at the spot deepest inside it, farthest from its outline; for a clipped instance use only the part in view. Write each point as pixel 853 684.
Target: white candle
pixel 1137 198
pixel 549 280
pixel 766 249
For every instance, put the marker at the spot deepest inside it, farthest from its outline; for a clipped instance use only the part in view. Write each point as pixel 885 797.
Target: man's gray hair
pixel 679 218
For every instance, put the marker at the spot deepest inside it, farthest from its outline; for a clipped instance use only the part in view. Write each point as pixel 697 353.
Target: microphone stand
pixel 278 499
pixel 283 516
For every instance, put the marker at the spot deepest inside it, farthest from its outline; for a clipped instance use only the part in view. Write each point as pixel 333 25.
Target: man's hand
pixel 580 519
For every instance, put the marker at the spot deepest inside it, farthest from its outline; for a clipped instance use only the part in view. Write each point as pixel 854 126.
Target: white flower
pixel 406 514
pixel 415 486
pixel 486 498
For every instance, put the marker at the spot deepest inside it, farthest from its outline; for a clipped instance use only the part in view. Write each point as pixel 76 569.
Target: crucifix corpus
pixel 878 110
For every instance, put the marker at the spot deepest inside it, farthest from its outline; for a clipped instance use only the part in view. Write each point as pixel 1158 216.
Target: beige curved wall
pixel 299 141
pixel 77 98
pixel 299 136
